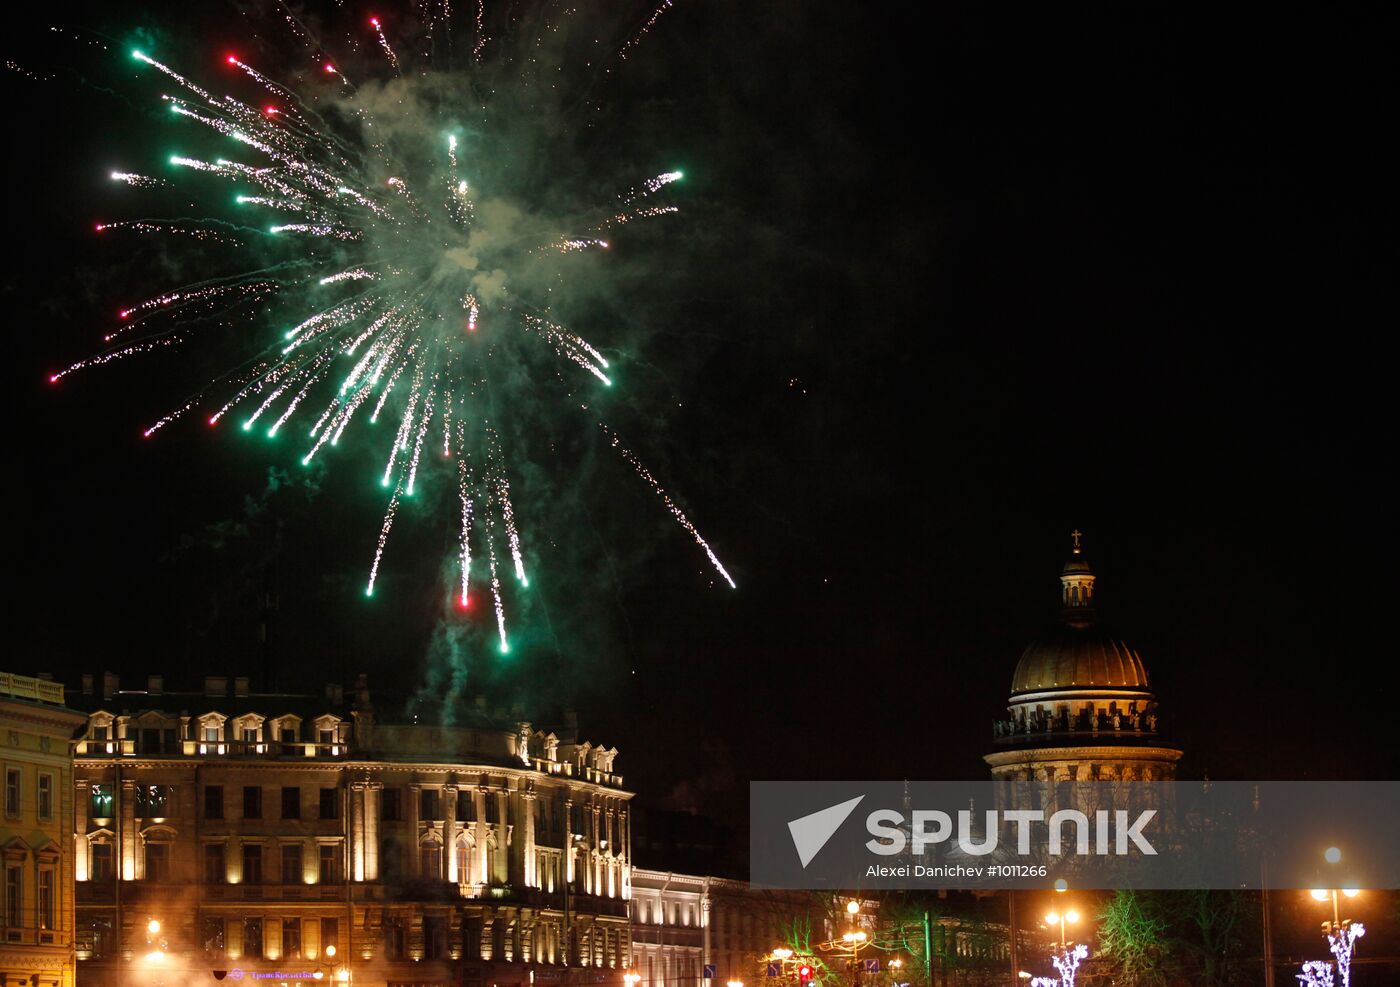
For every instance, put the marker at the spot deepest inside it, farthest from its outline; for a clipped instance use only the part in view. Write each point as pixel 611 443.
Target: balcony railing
pixel 127 747
pixel 570 770
pixel 24 687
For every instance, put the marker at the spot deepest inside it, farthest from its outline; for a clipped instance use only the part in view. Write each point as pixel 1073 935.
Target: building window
pixel 46 796
pixel 329 863
pixel 252 937
pixel 212 934
pixel 46 898
pixel 12 790
pixel 250 735
pixel 152 801
pixel 252 863
pixel 101 862
pixel 429 804
pixel 291 802
pixel 215 871
pixel 100 806
pixel 211 734
pixel 434 938
pixel 430 861
pixel 325 736
pixel 99 937
pixel 493 809
pixel 464 864
pixel 291 863
pixel 157 861
pixel 213 801
pixel 395 941
pixel 330 803
pixel 391 804
pixel 252 802
pixel 14 895
pixel 291 938
pixel 466 805
pixel 330 934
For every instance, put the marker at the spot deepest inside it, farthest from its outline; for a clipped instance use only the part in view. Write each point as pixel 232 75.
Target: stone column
pixel 705 953
pixel 501 874
pixel 371 816
pixel 449 831
pixel 126 812
pixel 527 806
pixel 480 831
pixel 624 849
pixel 610 859
pixel 414 796
pixel 568 828
pixel 599 835
pixel 81 851
pixel 355 827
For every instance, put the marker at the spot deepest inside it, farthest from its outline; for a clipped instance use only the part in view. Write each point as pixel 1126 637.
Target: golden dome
pixel 1079 658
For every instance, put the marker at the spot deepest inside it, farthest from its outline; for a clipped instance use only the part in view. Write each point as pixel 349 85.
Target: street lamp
pixel 1333 856
pixel 1069 916
pixel 339 972
pixel 631 977
pixel 856 940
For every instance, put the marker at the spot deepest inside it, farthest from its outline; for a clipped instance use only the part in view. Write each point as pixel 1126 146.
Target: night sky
pixel 942 291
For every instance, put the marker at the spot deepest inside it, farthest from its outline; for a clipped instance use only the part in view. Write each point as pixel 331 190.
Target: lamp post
pixel 1333 855
pixel 1069 916
pixel 1341 933
pixel 159 946
pixel 330 969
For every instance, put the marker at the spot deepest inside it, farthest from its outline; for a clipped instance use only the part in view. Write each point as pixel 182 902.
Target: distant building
pixel 300 838
pixel 669 928
pixel 36 832
pixel 1081 707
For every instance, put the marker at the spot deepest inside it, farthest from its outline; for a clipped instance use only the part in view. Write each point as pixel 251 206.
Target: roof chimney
pixel 87 683
pixel 155 684
pixel 111 684
pixel 215 685
pixel 240 685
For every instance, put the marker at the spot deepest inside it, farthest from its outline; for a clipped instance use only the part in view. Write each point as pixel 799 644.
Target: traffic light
pixel 804 973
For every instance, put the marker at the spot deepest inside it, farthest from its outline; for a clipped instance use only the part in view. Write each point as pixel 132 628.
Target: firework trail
pixel 387 275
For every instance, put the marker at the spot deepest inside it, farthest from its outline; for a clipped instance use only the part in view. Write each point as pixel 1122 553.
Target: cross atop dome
pixel 1076 534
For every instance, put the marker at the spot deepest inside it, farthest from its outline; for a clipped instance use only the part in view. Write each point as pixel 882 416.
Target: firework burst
pixel 382 277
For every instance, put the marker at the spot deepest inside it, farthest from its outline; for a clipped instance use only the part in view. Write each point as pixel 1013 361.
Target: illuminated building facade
pixel 302 838
pixel 36 832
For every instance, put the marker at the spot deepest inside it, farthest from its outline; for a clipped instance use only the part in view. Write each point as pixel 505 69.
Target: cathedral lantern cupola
pixel 1077 587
